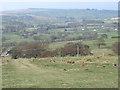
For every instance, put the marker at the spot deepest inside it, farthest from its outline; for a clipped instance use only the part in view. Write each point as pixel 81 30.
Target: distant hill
pixel 74 13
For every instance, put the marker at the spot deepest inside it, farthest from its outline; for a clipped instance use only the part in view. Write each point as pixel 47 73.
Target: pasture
pixel 97 71
pixel 58 27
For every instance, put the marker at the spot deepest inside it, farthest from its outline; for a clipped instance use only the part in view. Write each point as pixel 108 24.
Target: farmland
pixel 22 29
pixel 86 71
pixel 57 73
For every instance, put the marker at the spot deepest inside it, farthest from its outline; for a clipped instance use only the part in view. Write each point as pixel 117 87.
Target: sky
pixel 60 0
pixel 58 4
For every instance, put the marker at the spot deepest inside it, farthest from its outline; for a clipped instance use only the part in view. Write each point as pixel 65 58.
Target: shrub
pixel 70 49
pixel 48 54
pixel 16 52
pixel 73 49
pixel 28 50
pixel 104 36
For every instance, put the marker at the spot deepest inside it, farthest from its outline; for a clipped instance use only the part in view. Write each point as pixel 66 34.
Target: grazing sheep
pixel 65 69
pixel 104 66
pixel 89 60
pixel 7 61
pixel 98 66
pixel 86 69
pixel 33 60
pixel 82 63
pixel 70 62
pixel 99 56
pixel 52 60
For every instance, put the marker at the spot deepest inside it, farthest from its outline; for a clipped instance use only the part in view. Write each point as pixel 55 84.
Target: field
pixel 98 71
pixel 58 27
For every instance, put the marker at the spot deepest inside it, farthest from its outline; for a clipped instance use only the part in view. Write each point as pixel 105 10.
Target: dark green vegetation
pixel 93 28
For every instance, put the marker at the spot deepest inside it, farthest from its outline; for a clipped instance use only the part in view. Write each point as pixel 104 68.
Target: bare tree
pixel 100 42
pixel 29 50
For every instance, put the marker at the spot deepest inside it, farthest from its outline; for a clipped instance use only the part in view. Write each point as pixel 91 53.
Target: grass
pixel 13 37
pixel 108 41
pixel 56 73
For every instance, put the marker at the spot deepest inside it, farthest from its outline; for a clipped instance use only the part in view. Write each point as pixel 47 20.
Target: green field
pixel 96 71
pixel 59 27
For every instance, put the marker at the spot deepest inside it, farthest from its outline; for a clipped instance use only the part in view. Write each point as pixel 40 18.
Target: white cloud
pixel 60 0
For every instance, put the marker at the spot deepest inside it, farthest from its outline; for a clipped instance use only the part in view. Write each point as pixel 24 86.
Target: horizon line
pixel 60 8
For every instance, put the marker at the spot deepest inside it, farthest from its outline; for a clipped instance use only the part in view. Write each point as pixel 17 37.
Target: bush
pixel 16 52
pixel 73 49
pixel 48 54
pixel 70 49
pixel 28 50
pixel 38 49
pixel 116 48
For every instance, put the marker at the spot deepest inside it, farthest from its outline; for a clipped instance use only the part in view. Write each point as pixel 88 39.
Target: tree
pixel 73 49
pixel 16 52
pixel 104 36
pixel 100 42
pixel 29 50
pixel 47 53
pixel 70 49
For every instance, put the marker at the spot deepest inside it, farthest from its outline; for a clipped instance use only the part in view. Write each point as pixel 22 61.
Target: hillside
pixel 75 13
pixel 96 71
pixel 59 48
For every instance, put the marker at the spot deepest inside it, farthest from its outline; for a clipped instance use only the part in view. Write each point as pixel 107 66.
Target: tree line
pixel 40 50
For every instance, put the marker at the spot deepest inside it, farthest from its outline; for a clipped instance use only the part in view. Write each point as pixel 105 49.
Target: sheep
pixel 33 60
pixel 100 56
pixel 104 66
pixel 82 63
pixel 7 61
pixel 89 60
pixel 65 69
pixel 86 69
pixel 52 60
pixel 70 62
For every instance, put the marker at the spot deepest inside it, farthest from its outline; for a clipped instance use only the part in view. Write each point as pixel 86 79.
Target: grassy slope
pixel 44 73
pixel 100 73
pixel 108 41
